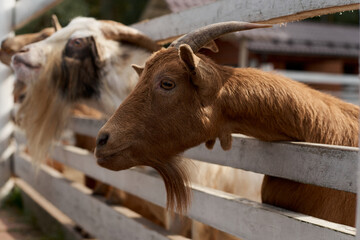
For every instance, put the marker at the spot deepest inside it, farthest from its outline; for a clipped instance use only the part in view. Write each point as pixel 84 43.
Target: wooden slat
pixel 5 136
pixel 5 171
pixel 319 164
pixel 6 104
pixel 86 126
pixel 264 11
pixel 5 164
pixel 321 78
pixel 6 22
pixel 26 10
pixel 126 180
pixel 96 217
pixel 227 212
pixel 358 201
pixel 48 217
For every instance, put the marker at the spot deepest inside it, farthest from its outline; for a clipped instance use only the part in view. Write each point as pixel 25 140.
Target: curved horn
pixel 120 32
pixel 198 38
pixel 12 45
pixel 55 22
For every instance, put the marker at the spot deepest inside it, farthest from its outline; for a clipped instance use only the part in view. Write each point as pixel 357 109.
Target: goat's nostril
pixel 102 139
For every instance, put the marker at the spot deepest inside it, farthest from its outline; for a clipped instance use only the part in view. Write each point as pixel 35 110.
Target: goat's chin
pixel 116 163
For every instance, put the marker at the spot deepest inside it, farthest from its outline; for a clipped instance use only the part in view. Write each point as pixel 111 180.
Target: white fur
pixel 118 78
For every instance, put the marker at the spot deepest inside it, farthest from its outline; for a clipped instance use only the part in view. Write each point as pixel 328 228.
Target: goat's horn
pixel 120 32
pixel 10 46
pixel 198 38
pixel 55 22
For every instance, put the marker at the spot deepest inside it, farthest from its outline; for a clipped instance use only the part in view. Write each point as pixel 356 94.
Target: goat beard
pixel 175 174
pixel 43 115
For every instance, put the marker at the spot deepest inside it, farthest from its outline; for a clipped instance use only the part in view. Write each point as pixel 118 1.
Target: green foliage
pixel 13 199
pixel 129 11
pixel 348 18
pixel 124 11
pixel 13 202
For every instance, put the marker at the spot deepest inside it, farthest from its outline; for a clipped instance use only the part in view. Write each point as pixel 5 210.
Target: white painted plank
pixel 358 201
pixel 103 221
pixel 319 164
pixel 265 11
pixel 6 104
pixel 227 212
pixel 5 164
pixel 86 126
pixel 6 8
pixel 48 217
pixel 127 180
pixel 6 135
pixel 26 10
pixel 5 171
pixel 321 78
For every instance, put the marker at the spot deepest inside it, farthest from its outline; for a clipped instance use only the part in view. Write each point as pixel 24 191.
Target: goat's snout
pixel 102 139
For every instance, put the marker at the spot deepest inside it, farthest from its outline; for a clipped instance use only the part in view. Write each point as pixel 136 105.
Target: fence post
pixel 6 86
pixel 358 179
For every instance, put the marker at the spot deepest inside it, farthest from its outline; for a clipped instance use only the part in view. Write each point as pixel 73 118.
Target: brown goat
pixel 184 99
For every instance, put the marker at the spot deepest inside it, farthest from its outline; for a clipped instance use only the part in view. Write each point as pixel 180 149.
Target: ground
pixel 15 224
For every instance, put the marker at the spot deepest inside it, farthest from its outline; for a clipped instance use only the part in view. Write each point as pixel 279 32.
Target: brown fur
pixel 210 101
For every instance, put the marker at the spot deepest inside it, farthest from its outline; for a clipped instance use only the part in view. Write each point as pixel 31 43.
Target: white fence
pixel 323 165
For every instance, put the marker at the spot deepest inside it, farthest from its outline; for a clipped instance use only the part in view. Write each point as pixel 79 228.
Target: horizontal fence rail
pixel 75 200
pixel 205 204
pixel 26 10
pixel 263 11
pixel 319 164
pixel 5 164
pixel 321 78
pixel 205 200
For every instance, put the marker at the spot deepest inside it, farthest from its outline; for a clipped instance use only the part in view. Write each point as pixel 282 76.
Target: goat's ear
pixel 212 46
pixel 137 69
pixel 199 70
pixel 188 57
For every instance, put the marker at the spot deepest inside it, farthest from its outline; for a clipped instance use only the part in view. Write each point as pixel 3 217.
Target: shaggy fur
pixel 80 70
pixel 49 123
pixel 183 99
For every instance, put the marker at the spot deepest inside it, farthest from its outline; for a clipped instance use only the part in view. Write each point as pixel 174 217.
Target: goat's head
pixel 172 108
pixel 83 54
pixel 76 64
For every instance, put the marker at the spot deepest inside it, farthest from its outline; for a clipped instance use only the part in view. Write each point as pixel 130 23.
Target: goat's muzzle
pixel 102 139
pixel 110 157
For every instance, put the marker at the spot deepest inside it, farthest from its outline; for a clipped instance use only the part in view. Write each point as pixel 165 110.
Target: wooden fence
pixel 323 165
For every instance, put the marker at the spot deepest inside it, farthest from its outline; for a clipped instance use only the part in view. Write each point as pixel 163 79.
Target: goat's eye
pixel 167 84
pixel 76 42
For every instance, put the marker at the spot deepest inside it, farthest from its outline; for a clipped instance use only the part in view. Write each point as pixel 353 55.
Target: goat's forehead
pixel 162 57
pixel 79 27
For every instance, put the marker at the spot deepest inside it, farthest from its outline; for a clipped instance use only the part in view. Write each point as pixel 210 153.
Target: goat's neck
pixel 273 108
pixel 119 79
